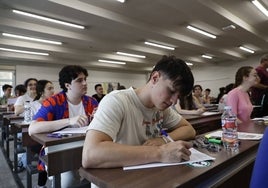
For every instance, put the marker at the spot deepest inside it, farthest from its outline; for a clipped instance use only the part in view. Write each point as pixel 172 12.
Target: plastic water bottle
pixel 229 129
pixel 28 115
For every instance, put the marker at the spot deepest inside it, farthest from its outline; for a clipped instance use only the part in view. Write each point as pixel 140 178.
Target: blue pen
pixel 54 135
pixel 165 134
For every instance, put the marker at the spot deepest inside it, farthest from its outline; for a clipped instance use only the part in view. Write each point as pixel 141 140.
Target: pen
pixel 165 134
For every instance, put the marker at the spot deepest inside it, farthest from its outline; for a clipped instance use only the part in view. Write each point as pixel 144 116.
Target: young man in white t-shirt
pixel 126 127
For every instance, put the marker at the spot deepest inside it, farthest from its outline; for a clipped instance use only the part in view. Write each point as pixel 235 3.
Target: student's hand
pixel 154 142
pixel 200 111
pixel 175 151
pixel 79 121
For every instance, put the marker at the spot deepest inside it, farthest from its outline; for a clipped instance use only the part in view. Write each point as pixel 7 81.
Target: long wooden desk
pixel 203 124
pixel 8 122
pixel 62 154
pixel 228 170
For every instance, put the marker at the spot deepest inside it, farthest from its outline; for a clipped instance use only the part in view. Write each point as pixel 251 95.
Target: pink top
pixel 240 103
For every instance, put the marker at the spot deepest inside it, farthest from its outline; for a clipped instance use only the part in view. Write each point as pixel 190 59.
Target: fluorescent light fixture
pixel 48 19
pixel 201 31
pixel 113 62
pixel 24 52
pixel 31 38
pixel 189 64
pixel 246 49
pixel 131 55
pixel 159 45
pixel 121 1
pixel 207 56
pixel 260 7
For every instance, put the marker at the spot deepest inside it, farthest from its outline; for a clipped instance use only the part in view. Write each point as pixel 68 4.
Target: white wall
pixel 51 73
pixel 217 76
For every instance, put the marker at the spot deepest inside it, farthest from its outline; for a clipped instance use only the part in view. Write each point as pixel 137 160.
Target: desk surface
pixel 181 175
pixel 49 141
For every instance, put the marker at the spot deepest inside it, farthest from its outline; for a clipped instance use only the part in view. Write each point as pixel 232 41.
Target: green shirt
pixel 3 100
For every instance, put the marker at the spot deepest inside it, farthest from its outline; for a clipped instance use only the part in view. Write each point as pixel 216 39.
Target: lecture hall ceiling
pixel 111 26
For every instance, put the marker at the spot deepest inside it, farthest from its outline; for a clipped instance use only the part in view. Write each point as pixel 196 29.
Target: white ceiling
pixel 112 26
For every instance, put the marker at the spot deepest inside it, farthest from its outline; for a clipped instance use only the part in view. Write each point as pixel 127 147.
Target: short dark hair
pixel 21 88
pixel 177 71
pixel 69 73
pixel 197 85
pixel 242 71
pixel 97 85
pixel 40 88
pixel 209 90
pixel 6 86
pixel 28 80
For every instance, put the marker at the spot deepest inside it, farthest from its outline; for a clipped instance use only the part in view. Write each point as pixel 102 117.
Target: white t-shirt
pixel 22 99
pixel 123 117
pixel 35 106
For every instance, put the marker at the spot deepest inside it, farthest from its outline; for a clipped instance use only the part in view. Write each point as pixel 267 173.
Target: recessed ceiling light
pixel 48 19
pixel 113 62
pixel 130 55
pixel 159 45
pixel 229 27
pixel 121 1
pixel 247 49
pixel 260 7
pixel 31 38
pixel 206 56
pixel 24 52
pixel 201 31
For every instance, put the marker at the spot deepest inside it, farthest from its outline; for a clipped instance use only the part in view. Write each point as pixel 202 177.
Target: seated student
pixel 99 92
pixel 30 94
pixel 207 99
pixel 7 89
pixel 238 98
pixel 44 90
pixel 71 107
pixel 20 90
pixel 197 96
pixel 126 127
pixel 185 105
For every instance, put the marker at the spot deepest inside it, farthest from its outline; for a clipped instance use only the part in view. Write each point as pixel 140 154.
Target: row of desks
pixel 64 154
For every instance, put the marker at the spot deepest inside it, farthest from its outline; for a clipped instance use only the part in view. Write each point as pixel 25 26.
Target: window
pixel 6 77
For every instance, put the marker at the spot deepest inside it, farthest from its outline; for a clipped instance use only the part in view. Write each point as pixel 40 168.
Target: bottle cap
pixel 227 107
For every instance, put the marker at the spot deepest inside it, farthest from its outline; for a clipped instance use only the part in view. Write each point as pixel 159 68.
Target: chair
pixel 259 175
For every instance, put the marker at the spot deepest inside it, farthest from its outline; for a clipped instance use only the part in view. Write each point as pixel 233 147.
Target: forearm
pixel 184 131
pixel 47 126
pixel 18 109
pixel 109 154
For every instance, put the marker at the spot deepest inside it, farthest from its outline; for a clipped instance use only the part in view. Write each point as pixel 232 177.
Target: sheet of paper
pixel 209 113
pixel 80 130
pixel 241 135
pixel 196 156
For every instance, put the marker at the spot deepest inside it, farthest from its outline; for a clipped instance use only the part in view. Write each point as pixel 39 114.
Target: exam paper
pixel 80 130
pixel 196 156
pixel 241 135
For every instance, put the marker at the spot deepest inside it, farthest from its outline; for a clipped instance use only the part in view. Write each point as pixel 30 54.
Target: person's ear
pixel 155 77
pixel 67 85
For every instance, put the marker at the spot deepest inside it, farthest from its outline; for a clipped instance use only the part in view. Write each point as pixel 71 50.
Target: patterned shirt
pixel 56 107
